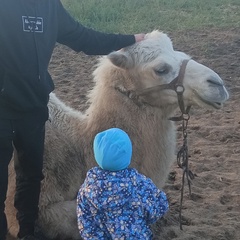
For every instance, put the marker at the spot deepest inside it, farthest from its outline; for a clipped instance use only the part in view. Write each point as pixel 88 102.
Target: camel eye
pixel 162 71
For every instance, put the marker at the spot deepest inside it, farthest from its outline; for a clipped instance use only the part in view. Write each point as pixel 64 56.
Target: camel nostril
pixel 215 81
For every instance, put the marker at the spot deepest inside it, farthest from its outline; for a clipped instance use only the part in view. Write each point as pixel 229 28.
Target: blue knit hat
pixel 112 149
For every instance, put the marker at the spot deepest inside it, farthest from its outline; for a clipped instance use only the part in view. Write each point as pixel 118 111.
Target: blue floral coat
pixel 118 205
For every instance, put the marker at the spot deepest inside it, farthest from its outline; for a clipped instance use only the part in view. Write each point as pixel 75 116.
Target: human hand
pixel 139 37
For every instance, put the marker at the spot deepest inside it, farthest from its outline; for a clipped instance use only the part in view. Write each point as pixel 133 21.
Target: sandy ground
pixel 213 211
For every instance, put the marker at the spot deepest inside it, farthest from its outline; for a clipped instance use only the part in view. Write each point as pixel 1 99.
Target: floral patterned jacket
pixel 118 205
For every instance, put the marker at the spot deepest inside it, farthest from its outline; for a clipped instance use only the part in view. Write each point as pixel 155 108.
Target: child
pixel 117 202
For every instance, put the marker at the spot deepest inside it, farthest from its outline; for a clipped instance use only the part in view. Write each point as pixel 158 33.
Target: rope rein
pixel 182 161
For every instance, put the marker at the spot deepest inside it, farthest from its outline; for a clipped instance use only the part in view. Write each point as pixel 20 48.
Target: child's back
pixel 117 203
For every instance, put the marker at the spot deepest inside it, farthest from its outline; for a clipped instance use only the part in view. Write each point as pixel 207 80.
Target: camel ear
pixel 121 60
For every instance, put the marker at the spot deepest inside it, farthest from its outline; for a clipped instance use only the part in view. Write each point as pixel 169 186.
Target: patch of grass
pixel 128 16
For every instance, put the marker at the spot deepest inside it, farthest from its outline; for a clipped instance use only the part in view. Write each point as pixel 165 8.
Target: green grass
pixel 131 16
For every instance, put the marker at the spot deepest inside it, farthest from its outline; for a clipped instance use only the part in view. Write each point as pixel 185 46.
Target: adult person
pixel 29 30
pixel 115 201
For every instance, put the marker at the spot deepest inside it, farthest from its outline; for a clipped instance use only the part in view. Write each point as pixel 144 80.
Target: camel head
pixel 154 62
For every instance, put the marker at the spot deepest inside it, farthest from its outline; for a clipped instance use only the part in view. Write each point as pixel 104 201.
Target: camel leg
pixel 59 221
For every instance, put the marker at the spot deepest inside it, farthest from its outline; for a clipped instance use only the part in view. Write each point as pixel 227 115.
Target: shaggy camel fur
pixel 69 136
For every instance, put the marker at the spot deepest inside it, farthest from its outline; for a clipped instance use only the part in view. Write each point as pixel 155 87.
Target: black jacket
pixel 29 30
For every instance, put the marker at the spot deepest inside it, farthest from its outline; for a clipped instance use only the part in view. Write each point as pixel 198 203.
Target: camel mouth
pixel 209 101
pixel 216 105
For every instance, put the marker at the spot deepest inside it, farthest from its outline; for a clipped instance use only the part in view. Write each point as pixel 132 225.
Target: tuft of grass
pixel 131 16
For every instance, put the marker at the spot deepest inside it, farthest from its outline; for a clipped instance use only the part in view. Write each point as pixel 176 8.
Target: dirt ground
pixel 213 212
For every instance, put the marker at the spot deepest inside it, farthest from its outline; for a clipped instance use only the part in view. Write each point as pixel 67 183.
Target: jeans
pixel 27 135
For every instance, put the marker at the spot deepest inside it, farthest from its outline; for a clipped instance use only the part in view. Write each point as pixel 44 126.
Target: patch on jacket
pixel 32 24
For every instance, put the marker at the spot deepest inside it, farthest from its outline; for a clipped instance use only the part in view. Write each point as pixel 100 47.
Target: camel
pixel 113 102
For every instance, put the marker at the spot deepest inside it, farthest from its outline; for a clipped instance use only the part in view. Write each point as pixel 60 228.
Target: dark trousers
pixel 27 135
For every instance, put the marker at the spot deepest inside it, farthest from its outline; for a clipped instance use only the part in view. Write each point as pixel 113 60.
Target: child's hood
pixel 107 190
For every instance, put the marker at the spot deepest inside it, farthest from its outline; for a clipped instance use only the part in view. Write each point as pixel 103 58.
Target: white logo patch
pixel 32 24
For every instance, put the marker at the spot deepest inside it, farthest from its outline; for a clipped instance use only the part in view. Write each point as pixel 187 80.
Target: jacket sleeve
pixel 91 42
pixel 155 202
pixel 87 224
